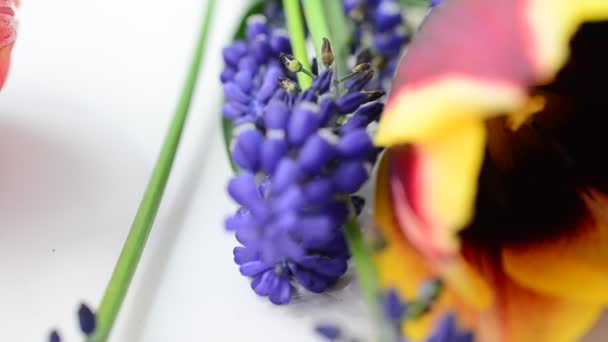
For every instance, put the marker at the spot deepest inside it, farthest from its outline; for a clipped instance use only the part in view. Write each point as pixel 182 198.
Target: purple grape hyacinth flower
pixel 379 36
pixel 301 158
pixel 252 69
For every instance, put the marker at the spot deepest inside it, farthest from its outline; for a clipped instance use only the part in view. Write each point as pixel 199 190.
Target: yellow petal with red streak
pixel 403 268
pixel 440 182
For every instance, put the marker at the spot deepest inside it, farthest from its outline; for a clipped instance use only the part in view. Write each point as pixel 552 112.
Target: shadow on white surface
pixel 69 187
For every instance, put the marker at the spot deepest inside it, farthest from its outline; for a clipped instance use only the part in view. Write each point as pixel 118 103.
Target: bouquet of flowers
pixel 446 151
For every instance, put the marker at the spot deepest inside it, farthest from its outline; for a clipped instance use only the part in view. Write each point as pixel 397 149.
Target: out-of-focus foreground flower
pixel 495 179
pixel 8 33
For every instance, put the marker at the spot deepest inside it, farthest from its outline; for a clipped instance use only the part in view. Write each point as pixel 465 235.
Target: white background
pixel 82 116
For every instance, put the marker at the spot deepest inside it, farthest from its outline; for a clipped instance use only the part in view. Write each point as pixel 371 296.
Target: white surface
pixel 89 95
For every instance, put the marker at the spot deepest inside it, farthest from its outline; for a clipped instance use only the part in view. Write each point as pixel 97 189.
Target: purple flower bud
pixel 310 280
pixel 290 199
pixel 392 306
pixel 279 42
pixel 241 220
pixel 435 3
pixel 389 43
pixel 261 284
pixel 370 110
pixel 86 320
pixel 269 84
pixel 227 74
pixel 323 265
pixel 303 122
pixel 233 110
pixel 276 115
pixel 319 191
pixel 244 79
pixel 245 254
pixel 282 291
pixel 256 26
pixel 447 331
pixel 260 49
pixel 322 83
pixel 273 150
pixel 315 228
pixel 234 93
pixel 356 144
pixel 330 332
pixel 233 53
pixel 287 173
pixel 388 15
pixel 336 211
pixel 359 82
pixel 248 236
pixel 349 102
pixel 243 189
pixel 248 63
pixel 247 147
pixel 317 151
pixel 54 337
pixel 354 123
pixel 327 108
pixel 350 176
pixel 306 96
pixel 253 268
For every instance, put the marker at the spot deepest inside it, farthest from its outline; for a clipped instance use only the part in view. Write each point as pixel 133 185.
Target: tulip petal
pixel 522 314
pixel 403 268
pixel 434 186
pixel 572 265
pixel 552 25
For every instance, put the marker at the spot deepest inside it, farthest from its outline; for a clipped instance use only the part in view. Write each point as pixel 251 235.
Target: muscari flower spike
pixel 302 155
pixel 252 69
pixel 379 36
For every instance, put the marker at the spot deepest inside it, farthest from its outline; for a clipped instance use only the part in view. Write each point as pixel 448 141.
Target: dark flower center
pixel 532 178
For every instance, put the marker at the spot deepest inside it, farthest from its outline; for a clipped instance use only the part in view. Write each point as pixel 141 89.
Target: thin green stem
pixel 315 19
pixel 365 267
pixel 136 240
pixel 295 26
pixel 336 30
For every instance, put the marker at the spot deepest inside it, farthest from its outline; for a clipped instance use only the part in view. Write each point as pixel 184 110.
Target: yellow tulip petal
pixel 438 107
pixel 434 185
pixel 552 25
pixel 403 268
pixel 523 314
pixel 573 265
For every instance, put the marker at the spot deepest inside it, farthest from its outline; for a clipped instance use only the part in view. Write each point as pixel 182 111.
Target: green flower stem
pixel 134 245
pixel 295 26
pixel 336 30
pixel 315 20
pixel 363 262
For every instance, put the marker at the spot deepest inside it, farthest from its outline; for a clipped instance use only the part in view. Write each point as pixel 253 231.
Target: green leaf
pixel 135 243
pixel 341 33
pixel 256 7
pixel 416 3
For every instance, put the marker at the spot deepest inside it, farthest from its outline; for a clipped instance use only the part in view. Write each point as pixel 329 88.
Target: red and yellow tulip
pixel 495 178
